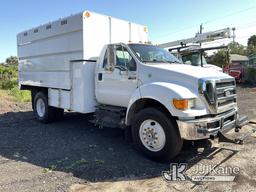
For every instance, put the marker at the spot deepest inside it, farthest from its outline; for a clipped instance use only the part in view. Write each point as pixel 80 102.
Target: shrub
pixel 9 81
pixel 8 72
pixel 8 76
pixel 8 84
pixel 250 74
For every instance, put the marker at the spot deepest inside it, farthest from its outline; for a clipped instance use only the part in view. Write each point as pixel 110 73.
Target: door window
pixel 124 60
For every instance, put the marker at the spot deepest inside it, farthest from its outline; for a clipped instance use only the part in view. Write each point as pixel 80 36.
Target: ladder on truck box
pixel 192 45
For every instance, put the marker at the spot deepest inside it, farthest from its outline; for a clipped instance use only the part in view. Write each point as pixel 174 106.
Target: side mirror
pixel 111 58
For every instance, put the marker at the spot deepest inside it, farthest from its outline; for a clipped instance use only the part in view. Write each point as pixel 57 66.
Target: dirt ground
pixel 74 155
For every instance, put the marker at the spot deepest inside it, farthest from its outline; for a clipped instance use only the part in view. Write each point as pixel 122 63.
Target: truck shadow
pixel 74 145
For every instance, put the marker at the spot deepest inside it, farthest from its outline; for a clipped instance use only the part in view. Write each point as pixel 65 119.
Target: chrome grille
pixel 225 93
pixel 218 94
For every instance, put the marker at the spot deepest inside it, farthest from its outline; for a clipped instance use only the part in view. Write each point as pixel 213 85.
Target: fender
pixel 163 93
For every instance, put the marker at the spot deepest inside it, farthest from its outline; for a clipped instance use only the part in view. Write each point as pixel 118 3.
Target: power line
pixel 228 15
pixel 247 27
pixel 180 30
pixel 245 24
pixel 209 21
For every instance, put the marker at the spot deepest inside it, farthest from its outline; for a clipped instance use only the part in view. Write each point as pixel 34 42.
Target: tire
pixel 160 131
pixel 42 111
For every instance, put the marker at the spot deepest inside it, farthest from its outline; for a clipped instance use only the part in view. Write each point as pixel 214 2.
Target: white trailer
pixel 94 63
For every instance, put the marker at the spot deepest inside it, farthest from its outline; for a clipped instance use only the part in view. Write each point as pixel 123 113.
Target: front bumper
pixel 203 128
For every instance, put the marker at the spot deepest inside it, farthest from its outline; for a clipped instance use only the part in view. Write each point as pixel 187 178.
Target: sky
pixel 167 20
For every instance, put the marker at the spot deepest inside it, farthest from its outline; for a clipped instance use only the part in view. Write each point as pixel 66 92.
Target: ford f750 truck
pixel 91 63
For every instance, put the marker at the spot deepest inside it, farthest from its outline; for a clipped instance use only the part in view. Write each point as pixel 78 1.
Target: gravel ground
pixel 74 155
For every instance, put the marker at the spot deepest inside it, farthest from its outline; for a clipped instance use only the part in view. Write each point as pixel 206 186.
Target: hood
pixel 181 74
pixel 214 67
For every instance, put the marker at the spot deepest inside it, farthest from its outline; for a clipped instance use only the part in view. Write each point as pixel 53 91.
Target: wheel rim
pixel 40 107
pixel 152 135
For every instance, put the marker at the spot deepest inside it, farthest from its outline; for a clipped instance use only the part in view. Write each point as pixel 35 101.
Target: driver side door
pixel 116 84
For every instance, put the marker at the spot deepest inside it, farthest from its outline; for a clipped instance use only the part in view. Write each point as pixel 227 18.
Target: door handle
pixel 100 75
pixel 131 78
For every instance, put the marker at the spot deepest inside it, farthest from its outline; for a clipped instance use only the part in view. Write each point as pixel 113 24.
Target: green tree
pixel 251 45
pixel 12 60
pixel 220 58
pixel 252 41
pixel 236 48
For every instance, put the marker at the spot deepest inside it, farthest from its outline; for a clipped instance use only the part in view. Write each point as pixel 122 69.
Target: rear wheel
pixel 156 135
pixel 43 112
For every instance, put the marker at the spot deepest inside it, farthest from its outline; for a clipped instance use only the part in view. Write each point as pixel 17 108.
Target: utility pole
pixel 234 36
pixel 201 53
pixel 201 29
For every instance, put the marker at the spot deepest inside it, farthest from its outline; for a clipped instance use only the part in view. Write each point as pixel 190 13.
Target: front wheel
pixel 156 135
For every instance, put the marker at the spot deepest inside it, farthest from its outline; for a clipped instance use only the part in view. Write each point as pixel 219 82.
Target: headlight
pixel 191 103
pixel 184 104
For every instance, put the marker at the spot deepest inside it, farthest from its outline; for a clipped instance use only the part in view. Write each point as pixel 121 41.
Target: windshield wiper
pixel 152 61
pixel 172 62
pixel 158 61
pixel 161 61
pixel 175 62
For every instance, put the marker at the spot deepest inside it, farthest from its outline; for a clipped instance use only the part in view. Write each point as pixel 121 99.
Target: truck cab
pixel 160 95
pixel 235 70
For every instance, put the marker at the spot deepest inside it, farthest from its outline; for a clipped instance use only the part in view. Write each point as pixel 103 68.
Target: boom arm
pixel 200 38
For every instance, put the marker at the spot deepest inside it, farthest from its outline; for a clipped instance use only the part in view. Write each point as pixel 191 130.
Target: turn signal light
pixel 181 104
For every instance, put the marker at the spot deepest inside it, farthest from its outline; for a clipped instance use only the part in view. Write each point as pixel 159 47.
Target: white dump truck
pixel 91 63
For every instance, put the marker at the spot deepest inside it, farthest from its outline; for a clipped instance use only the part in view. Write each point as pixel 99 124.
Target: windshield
pixel 193 59
pixel 153 54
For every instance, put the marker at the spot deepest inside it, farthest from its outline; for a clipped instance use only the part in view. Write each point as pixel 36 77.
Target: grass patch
pixel 23 96
pixel 99 162
pixel 15 94
pixel 81 162
pixel 49 169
